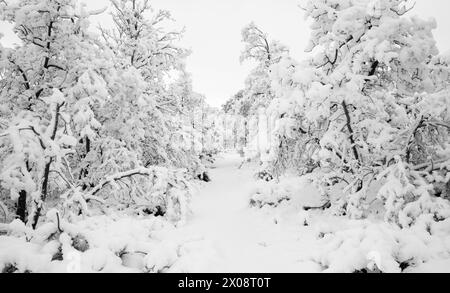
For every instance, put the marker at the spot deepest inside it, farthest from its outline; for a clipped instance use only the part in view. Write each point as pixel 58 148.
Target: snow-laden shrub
pixel 292 148
pixel 208 158
pixel 415 236
pixel 408 196
pixel 114 243
pixel 269 197
pixel 346 246
pixel 157 190
pixel 270 193
pixel 341 245
pixel 290 189
pixel 264 175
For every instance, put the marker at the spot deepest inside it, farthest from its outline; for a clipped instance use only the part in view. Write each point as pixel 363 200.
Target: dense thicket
pixel 366 115
pixel 105 117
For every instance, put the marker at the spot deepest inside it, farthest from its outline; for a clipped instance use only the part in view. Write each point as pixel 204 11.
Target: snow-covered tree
pixel 248 103
pixel 265 52
pixel 145 48
pixel 86 117
pixel 372 103
pixel 40 77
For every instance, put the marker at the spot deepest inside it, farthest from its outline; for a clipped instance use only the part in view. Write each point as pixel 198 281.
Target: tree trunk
pixel 44 192
pixel 21 211
pixel 84 172
pixel 350 130
pixel 46 175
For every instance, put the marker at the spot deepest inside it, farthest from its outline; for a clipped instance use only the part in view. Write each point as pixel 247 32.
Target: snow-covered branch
pixel 119 176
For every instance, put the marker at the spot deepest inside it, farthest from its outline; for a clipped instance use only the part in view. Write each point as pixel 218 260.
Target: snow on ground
pixel 245 239
pixel 224 233
pixel 287 239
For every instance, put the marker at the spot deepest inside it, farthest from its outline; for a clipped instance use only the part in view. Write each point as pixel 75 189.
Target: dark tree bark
pixel 350 130
pixel 374 67
pixel 46 175
pixel 44 192
pixel 84 172
pixel 21 211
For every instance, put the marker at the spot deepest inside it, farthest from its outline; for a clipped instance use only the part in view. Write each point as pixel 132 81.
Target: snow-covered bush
pixel 156 190
pixel 264 175
pixel 269 197
pixel 408 196
pixel 340 245
pixel 108 244
pixel 292 190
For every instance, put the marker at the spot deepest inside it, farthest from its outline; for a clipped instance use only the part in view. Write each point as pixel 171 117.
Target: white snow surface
pixel 225 234
pixel 246 240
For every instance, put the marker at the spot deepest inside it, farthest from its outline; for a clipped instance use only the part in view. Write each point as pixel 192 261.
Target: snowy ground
pixel 246 240
pixel 286 239
pixel 225 234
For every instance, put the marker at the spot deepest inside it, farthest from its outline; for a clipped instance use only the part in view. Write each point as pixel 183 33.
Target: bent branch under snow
pixel 120 176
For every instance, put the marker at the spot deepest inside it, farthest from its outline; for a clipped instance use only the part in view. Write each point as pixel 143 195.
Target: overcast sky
pixel 213 33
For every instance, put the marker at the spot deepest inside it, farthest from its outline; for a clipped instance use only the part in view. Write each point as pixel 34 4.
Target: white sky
pixel 213 33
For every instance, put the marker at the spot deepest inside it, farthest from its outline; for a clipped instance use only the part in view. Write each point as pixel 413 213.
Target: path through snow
pixel 245 240
pixel 225 235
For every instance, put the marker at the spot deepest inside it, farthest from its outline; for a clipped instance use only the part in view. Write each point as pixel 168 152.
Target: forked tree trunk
pixel 46 174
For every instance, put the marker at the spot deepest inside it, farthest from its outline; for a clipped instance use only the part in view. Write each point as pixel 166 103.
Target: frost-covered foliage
pixel 368 112
pixel 91 118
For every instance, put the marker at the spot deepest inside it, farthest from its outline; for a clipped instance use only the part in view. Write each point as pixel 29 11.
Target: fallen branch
pixel 327 205
pixel 434 165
